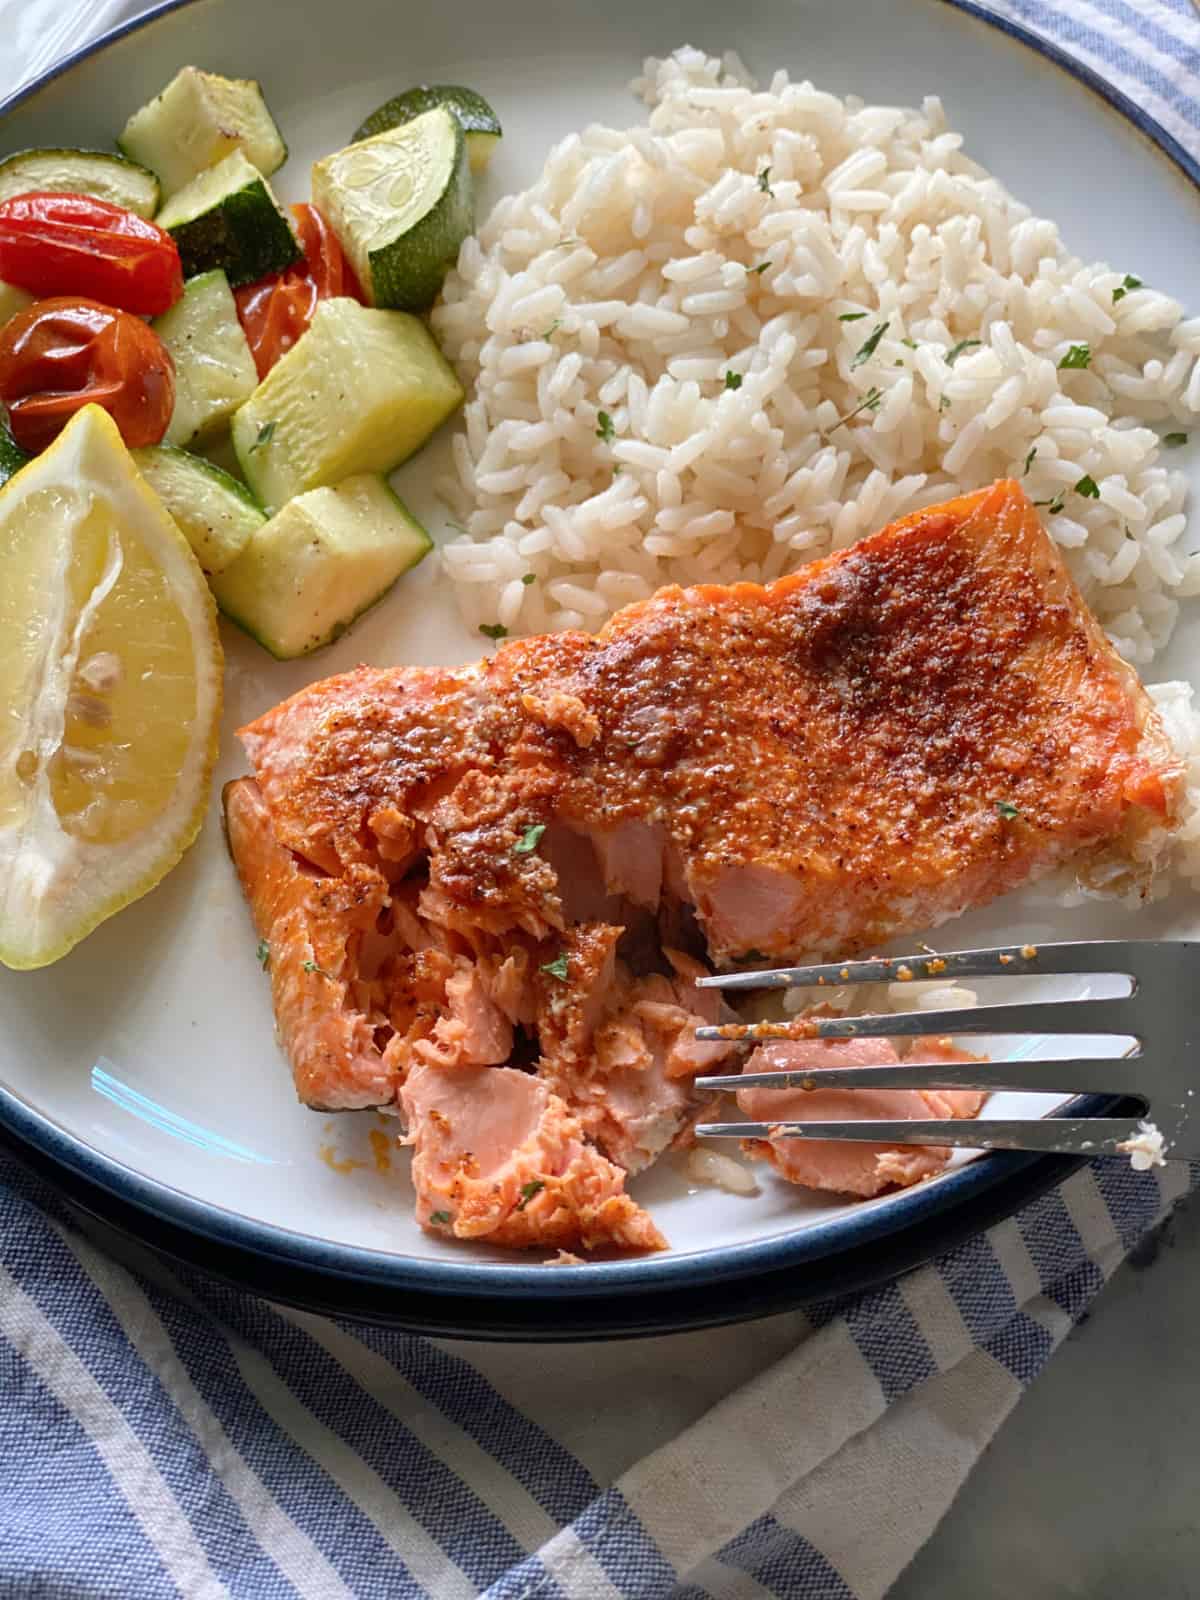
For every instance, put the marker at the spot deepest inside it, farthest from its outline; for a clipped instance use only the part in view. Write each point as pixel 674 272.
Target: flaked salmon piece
pixel 838 1165
pixel 474 1031
pixel 355 1005
pixel 510 985
pixel 498 1157
pixel 629 1101
pixel 698 1008
pixel 946 1102
pixel 624 1068
pixel 556 710
pixel 473 888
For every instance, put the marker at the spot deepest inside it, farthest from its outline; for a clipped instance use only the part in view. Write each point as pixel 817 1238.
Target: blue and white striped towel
pixel 162 1436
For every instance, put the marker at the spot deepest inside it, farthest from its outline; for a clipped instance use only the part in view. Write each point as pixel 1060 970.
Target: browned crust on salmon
pixel 839 744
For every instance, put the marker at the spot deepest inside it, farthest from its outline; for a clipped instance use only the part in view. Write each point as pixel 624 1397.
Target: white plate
pixel 151 1045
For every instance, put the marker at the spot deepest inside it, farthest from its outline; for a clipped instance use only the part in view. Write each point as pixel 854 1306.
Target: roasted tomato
pixel 58 355
pixel 58 244
pixel 275 311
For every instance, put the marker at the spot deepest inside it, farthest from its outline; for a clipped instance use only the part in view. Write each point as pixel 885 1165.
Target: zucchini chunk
pixel 197 120
pixel 214 370
pixel 216 514
pixel 229 217
pixel 359 391
pixel 94 172
pixel 322 561
pixel 479 122
pixel 401 205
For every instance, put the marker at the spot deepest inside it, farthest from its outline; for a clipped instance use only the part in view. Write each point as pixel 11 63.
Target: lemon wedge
pixel 110 692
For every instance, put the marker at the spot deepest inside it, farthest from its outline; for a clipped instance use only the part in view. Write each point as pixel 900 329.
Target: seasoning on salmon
pixel 518 864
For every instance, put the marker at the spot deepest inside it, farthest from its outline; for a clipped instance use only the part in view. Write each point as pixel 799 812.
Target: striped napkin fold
pixel 161 1435
pixel 1148 49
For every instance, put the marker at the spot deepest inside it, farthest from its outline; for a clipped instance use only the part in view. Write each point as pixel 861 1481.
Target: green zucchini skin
pixel 12 457
pixel 100 173
pixel 408 274
pixel 479 122
pixel 197 120
pixel 245 236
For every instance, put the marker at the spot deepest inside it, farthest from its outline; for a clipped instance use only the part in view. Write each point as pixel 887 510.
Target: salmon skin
pixel 519 863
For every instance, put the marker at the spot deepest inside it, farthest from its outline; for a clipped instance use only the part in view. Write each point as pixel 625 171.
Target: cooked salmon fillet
pixel 517 864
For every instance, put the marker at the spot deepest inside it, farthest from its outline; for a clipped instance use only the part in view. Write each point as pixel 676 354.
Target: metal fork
pixel 1161 1013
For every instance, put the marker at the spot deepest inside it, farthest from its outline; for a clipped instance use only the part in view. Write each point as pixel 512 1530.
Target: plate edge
pixel 907 1210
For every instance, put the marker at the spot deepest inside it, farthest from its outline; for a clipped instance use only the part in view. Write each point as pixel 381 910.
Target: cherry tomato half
pixel 59 244
pixel 275 311
pixel 61 354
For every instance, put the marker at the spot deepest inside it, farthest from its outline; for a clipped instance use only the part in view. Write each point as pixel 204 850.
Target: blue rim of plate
pixel 909 1211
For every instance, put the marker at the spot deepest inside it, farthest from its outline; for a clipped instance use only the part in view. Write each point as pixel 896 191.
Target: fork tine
pixel 1065 1135
pixel 1014 960
pixel 1054 1016
pixel 1108 1075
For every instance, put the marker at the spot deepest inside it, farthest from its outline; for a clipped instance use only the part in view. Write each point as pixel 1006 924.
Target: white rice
pixel 603 318
pixel 720 1171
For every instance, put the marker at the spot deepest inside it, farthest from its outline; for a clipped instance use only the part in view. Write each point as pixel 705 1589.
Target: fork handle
pixel 1071 1136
